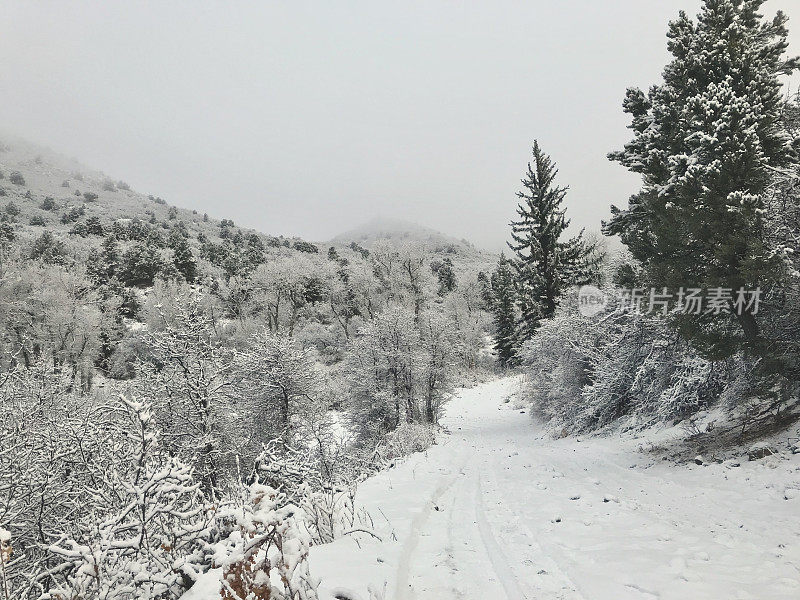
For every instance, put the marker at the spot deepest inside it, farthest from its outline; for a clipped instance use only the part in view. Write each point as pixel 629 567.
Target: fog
pixel 310 118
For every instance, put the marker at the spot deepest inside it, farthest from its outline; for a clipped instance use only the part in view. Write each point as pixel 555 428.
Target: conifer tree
pixel 102 265
pixel 485 287
pixel 183 259
pixel 544 264
pixel 705 142
pixel 445 275
pixel 504 313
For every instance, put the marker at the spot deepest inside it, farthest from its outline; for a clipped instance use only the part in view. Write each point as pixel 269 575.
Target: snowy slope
pixel 497 510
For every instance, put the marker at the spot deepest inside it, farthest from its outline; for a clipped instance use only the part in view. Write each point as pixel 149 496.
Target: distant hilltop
pixel 396 229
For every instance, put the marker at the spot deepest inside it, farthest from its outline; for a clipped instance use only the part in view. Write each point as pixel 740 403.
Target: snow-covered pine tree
pixel 783 236
pixel 504 312
pixel 183 259
pixel 705 142
pixel 544 264
pixel 445 274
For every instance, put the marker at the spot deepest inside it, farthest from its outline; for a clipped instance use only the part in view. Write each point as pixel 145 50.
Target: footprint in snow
pixel 645 593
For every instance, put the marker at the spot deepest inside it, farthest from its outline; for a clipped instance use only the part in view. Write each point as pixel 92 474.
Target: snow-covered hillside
pixel 497 510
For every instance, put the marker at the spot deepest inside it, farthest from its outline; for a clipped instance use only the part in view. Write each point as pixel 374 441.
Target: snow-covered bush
pixel 587 372
pixel 280 380
pixel 5 557
pixel 55 451
pixel 150 545
pixel 405 440
pixel 188 371
pixel 331 512
pixel 322 481
pixel 264 550
pixel 558 361
pixel 400 368
pixel 286 468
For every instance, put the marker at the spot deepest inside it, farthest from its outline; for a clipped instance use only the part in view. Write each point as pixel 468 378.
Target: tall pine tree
pixel 544 264
pixel 503 297
pixel 705 142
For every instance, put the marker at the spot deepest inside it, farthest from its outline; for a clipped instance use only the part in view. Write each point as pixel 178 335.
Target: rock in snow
pixel 760 450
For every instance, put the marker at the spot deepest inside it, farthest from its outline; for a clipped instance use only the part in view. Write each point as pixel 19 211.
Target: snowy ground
pixel 498 510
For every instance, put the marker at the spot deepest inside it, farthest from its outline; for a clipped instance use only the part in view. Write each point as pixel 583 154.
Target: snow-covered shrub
pixel 694 384
pixel 323 482
pixel 558 361
pixel 5 557
pixel 150 545
pixel 280 379
pixel 263 555
pixel 382 365
pixel 464 308
pixel 400 369
pixel 188 371
pixel 55 450
pixel 441 346
pixel 587 372
pixel 405 440
pixel 628 363
pixel 286 468
pixel 330 513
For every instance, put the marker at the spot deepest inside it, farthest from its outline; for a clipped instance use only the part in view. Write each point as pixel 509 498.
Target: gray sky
pixel 308 118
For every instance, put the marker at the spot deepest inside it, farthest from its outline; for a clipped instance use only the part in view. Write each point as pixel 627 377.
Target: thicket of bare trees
pixel 151 434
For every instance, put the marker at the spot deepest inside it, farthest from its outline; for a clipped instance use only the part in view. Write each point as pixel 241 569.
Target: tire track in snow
pixel 497 557
pixel 545 557
pixel 484 555
pixel 402 589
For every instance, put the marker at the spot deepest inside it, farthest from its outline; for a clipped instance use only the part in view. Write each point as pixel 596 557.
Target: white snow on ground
pixel 498 510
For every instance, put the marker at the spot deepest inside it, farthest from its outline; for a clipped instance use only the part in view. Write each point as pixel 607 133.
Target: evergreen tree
pixel 7 235
pixel 94 226
pixel 544 264
pixel 140 265
pixel 705 142
pixel 485 287
pixel 504 313
pixel 445 275
pixel 102 265
pixel 49 250
pixel 183 259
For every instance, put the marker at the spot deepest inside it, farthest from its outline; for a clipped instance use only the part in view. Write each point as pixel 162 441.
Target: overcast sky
pixel 308 118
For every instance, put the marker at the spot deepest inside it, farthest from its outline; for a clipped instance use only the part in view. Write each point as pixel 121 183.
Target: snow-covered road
pixel 498 511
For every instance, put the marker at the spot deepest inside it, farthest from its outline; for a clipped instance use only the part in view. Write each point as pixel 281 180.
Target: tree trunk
pixel 749 325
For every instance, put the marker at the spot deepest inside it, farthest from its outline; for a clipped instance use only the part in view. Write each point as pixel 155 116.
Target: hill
pixel 381 228
pixel 72 208
pixel 468 259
